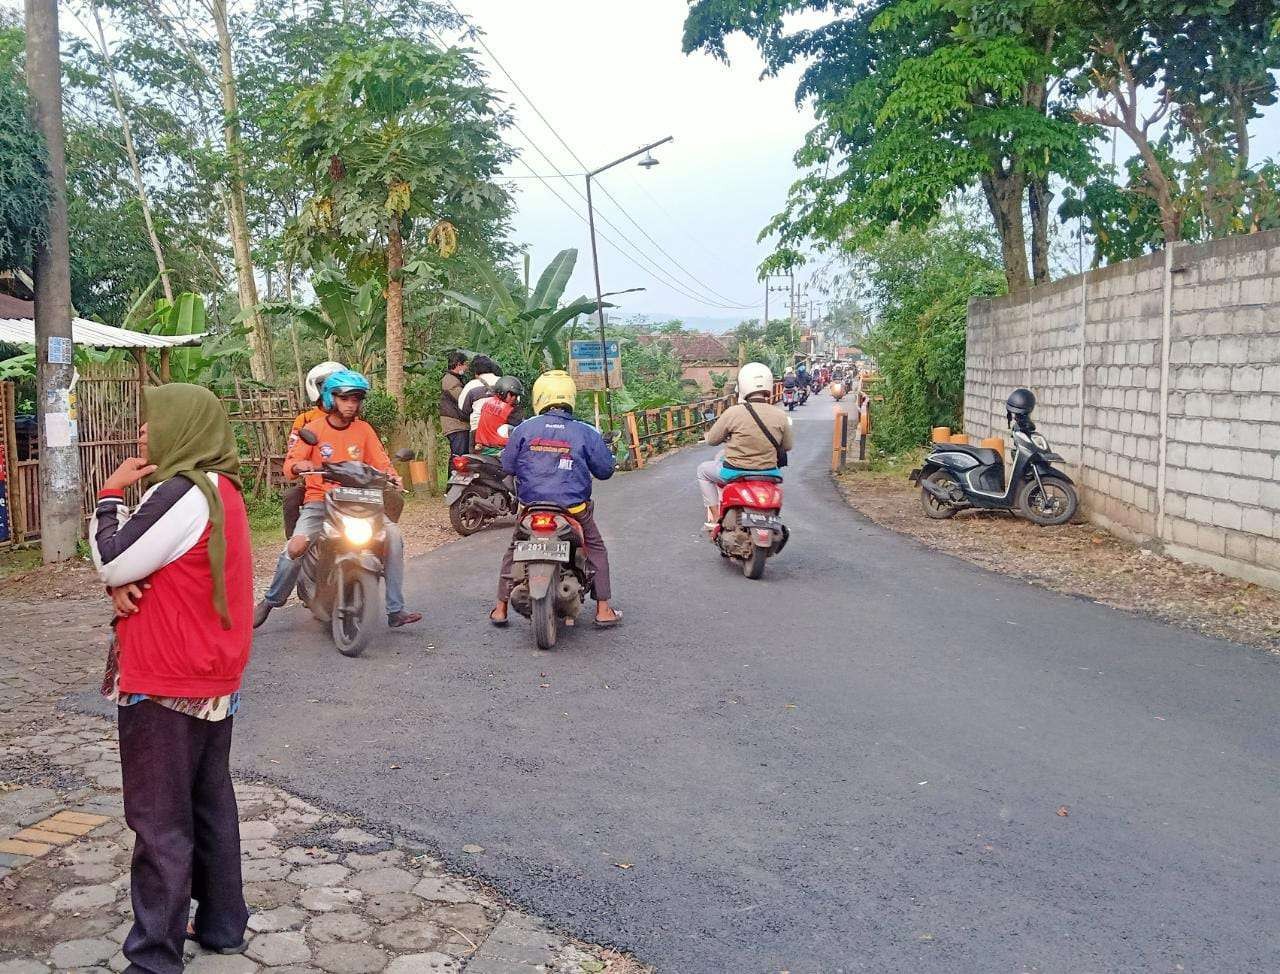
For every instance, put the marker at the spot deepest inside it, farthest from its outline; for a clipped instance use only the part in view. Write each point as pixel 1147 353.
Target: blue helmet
pixel 341 383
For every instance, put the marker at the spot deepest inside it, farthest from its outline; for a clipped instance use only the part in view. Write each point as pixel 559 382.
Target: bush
pixel 381 412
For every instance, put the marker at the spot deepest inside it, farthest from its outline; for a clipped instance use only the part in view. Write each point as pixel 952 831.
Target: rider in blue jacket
pixel 554 458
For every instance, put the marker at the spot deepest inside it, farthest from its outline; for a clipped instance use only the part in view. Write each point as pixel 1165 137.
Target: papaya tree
pixel 402 144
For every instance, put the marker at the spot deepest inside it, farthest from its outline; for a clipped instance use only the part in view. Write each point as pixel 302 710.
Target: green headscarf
pixel 189 435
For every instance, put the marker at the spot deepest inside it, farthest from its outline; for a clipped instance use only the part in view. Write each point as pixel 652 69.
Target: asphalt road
pixel 855 764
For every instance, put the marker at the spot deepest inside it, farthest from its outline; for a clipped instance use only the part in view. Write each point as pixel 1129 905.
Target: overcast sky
pixel 610 77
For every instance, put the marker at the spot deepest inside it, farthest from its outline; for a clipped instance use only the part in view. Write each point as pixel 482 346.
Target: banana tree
pixel 353 316
pixel 526 336
pixel 213 359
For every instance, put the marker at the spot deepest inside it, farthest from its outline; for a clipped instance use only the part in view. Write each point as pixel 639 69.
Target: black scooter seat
pixel 981 454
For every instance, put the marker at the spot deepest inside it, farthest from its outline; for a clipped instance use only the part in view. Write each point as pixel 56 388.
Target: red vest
pixel 175 645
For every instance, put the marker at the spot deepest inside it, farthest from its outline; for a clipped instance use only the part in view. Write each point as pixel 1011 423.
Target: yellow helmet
pixel 555 388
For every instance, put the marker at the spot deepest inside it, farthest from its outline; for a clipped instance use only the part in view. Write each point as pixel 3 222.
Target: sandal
pixel 398 619
pixel 609 623
pixel 498 623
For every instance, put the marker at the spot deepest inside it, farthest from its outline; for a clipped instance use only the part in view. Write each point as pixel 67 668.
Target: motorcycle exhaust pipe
pixel 936 491
pixel 489 505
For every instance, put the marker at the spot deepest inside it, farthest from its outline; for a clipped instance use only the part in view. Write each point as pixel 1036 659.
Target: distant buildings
pixel 700 355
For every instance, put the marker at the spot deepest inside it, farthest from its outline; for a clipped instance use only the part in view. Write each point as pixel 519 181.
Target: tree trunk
pixel 293 337
pixel 395 314
pixel 131 151
pixel 261 362
pixel 1039 198
pixel 1004 197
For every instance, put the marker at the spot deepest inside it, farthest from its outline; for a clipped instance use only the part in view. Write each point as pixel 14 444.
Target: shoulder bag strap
pixel 773 440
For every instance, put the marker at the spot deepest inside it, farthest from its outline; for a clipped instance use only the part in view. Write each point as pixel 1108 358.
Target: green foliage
pixel 524 332
pixel 916 100
pixel 352 314
pixel 918 284
pixel 651 376
pixel 23 190
pixel 382 413
pixel 397 136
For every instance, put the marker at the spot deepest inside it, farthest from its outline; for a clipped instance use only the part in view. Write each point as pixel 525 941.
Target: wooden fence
pixel 262 419
pixel 108 413
pixel 651 432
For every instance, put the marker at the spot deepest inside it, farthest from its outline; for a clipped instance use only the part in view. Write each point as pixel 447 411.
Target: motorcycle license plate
pixel 542 551
pixel 759 520
pixel 357 495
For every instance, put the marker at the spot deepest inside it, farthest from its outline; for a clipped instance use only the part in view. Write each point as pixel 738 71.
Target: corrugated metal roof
pixel 22 331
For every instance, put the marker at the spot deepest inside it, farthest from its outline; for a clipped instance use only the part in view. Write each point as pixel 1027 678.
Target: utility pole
pixel 60 522
pixel 792 293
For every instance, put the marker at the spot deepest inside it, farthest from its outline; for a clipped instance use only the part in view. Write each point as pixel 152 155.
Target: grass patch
pixel 897 464
pixel 19 561
pixel 266 516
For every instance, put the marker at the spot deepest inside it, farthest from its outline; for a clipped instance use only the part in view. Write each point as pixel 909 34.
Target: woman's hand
pixel 129 473
pixel 125 598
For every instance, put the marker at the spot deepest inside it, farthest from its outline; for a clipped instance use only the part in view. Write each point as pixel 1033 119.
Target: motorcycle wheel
pixel 753 567
pixel 1057 505
pixel 933 507
pixel 465 520
pixel 353 627
pixel 543 615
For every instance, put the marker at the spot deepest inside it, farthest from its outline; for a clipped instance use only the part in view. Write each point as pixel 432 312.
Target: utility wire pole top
pixel 648 163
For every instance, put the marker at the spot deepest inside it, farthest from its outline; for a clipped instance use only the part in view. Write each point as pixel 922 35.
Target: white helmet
pixel 316 377
pixel 752 378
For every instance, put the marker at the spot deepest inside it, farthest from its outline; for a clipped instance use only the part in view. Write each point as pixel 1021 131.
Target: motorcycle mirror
pixel 308 437
pixel 404 455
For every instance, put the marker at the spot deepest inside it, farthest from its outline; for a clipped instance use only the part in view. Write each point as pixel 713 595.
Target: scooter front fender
pixel 357 560
pixel 1047 468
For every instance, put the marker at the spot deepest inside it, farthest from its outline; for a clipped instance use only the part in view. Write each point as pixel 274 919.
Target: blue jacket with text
pixel 554 457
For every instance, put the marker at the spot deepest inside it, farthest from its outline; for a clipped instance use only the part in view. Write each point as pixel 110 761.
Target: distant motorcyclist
pixel 499 414
pixel 553 458
pixel 455 424
pixel 341 435
pixel 756 436
pixel 789 379
pixel 291 500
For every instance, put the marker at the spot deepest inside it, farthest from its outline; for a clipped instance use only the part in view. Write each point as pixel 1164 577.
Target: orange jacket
pixel 357 442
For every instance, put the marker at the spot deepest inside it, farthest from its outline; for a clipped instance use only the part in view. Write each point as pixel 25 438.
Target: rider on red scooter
pixel 756 435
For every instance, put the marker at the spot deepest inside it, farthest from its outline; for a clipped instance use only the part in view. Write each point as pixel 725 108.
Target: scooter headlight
pixel 1040 442
pixel 358 530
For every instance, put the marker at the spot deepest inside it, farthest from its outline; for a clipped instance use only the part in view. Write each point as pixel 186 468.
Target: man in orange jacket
pixel 341 435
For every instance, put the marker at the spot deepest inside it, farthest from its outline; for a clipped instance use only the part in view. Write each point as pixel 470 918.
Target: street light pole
pixel 595 257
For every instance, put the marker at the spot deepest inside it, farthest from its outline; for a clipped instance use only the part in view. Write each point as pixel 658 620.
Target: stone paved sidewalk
pixel 328 893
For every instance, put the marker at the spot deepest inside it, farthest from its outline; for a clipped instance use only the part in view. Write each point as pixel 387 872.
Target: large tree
pixel 23 191
pixel 402 143
pixel 915 100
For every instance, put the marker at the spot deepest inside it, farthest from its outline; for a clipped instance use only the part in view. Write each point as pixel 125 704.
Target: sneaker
pixel 397 619
pixel 260 612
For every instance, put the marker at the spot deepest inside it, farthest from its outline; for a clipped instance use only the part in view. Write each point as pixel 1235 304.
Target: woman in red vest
pixel 180 571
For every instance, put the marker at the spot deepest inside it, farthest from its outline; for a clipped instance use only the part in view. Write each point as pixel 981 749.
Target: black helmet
pixel 508 383
pixel 1021 402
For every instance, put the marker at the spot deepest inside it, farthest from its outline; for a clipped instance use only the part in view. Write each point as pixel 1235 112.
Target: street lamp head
pixel 648 162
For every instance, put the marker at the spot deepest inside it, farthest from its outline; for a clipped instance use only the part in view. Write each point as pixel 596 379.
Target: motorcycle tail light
pixel 764 495
pixel 542 522
pixel 461 464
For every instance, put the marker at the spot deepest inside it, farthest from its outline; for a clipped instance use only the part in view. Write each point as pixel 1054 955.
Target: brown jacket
pixel 746 446
pixel 452 419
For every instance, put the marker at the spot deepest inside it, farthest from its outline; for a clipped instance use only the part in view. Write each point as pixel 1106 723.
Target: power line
pixel 658 273
pixel 724 301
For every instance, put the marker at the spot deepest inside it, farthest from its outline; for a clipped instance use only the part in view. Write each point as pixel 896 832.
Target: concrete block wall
pixel 1159 381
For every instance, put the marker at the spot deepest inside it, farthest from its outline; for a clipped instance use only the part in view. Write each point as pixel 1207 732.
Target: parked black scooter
pixel 956 477
pixel 479 493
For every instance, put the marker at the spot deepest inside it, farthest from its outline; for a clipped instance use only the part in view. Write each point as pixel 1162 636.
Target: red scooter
pixel 750 528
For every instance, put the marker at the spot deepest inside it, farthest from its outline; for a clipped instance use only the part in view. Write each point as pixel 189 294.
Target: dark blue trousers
pixel 179 801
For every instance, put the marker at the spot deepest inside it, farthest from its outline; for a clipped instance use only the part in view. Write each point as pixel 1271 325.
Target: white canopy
pixel 22 331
